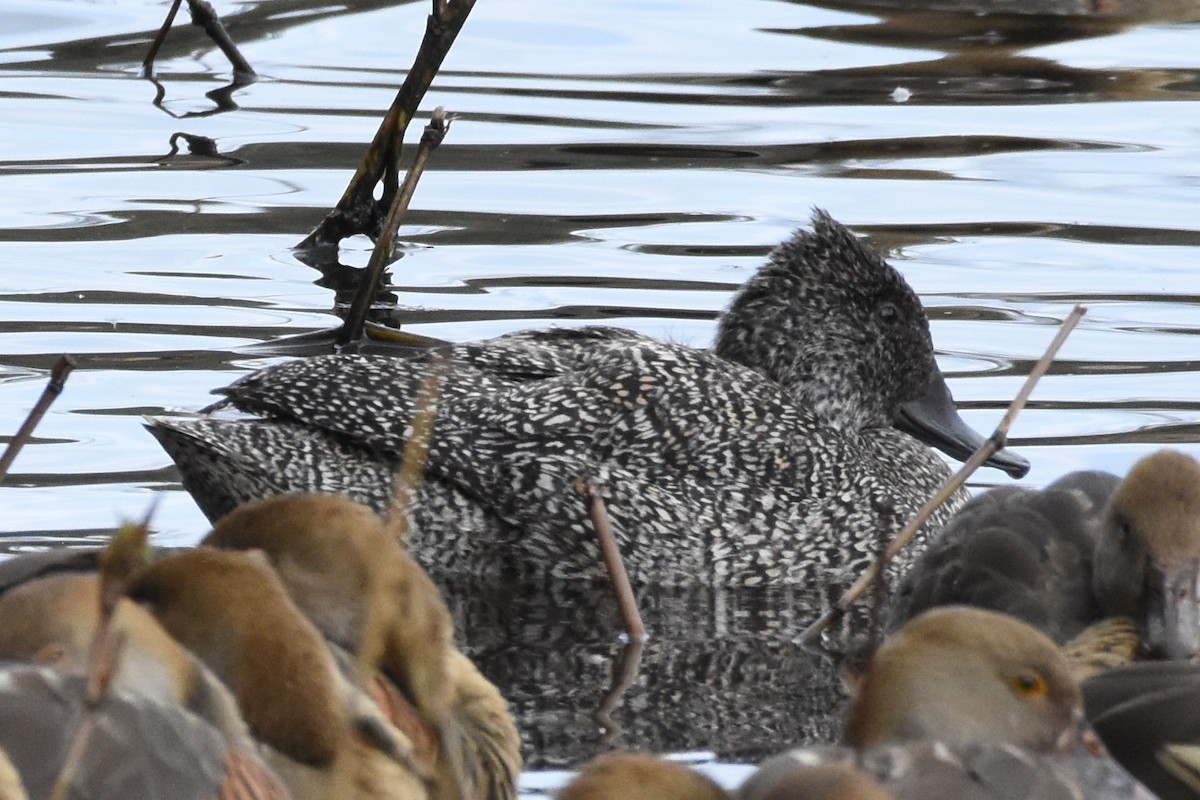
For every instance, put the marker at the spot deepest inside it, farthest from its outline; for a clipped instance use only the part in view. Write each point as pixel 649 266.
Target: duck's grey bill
pixel 933 418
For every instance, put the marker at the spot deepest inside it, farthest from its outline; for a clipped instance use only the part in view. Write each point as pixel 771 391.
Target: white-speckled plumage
pixel 771 458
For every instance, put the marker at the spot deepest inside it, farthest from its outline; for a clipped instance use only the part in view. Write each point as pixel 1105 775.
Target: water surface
pixel 622 163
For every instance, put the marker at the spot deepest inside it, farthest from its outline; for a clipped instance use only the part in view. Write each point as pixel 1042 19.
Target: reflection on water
pixel 721 671
pixel 615 162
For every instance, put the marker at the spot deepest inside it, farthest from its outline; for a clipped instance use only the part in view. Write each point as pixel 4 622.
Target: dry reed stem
pixel 622 591
pixel 125 553
pixel 372 644
pixel 416 449
pixel 990 446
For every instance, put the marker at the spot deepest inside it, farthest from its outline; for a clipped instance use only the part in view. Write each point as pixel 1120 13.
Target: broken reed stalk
pixel 372 644
pixel 58 376
pixel 416 449
pixel 356 317
pixel 357 211
pixel 128 551
pixel 990 447
pixel 622 591
pixel 203 16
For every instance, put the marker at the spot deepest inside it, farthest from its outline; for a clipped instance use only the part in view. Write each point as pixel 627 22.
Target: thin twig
pixel 357 211
pixel 148 61
pixel 58 376
pixel 622 591
pixel 352 328
pixel 372 642
pixel 205 16
pixel 990 447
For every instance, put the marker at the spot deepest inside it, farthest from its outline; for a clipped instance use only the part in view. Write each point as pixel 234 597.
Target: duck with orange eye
pixel 960 703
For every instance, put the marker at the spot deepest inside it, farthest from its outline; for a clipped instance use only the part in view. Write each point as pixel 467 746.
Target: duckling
pixel 137 747
pixel 1148 558
pixel 636 776
pixel 771 458
pixel 348 574
pixel 1024 552
pixel 1086 550
pixel 960 703
pixel 322 737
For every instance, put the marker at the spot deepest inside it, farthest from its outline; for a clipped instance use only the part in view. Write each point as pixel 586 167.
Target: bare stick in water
pixel 58 376
pixel 626 603
pixel 358 211
pixel 990 447
pixel 356 317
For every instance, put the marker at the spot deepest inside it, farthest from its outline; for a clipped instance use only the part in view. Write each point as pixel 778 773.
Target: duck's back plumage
pixel 1024 552
pixel 772 457
pixel 137 747
pixel 685 446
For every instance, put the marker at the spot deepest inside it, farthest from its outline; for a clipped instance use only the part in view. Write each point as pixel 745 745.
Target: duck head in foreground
pixel 961 703
pixel 776 457
pixel 345 570
pixel 960 675
pixel 322 735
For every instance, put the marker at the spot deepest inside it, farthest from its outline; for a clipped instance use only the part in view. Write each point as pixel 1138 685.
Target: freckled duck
pixel 1085 549
pixel 776 456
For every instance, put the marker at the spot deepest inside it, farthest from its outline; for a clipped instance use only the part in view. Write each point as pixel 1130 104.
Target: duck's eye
pixel 888 312
pixel 1029 684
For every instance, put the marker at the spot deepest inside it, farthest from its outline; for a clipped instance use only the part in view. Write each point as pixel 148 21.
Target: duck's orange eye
pixel 1029 684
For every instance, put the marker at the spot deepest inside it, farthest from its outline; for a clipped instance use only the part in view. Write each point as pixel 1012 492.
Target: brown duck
pixel 348 573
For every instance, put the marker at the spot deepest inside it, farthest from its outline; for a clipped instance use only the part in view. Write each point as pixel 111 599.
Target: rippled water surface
pixel 618 162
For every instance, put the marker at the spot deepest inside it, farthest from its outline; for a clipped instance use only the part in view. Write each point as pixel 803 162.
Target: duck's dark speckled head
pixel 833 322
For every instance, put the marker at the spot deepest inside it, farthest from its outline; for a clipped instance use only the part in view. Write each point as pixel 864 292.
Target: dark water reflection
pixel 615 162
pixel 721 671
